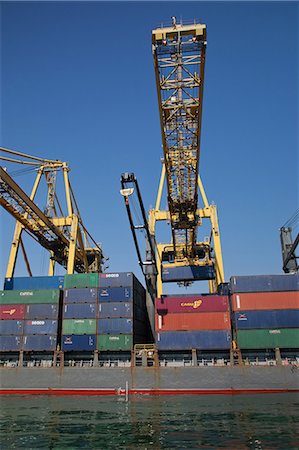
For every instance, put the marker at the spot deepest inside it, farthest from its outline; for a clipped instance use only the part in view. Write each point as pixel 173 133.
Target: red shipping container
pixel 192 304
pixel 265 300
pixel 16 312
pixel 193 322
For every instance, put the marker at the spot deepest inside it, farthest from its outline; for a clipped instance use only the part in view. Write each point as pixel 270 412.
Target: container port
pixel 93 319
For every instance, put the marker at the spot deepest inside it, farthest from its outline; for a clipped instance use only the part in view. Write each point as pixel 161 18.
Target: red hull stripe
pixel 78 391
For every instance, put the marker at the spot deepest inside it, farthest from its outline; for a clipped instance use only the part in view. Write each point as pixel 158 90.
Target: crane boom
pixel 63 235
pixel 179 58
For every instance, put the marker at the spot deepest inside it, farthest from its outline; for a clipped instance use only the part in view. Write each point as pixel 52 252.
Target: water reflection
pixel 208 422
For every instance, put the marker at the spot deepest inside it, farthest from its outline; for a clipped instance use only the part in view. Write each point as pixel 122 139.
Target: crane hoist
pixel 179 60
pixel 62 234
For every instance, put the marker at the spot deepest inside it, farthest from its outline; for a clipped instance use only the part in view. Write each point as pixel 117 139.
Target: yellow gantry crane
pixel 62 234
pixel 179 60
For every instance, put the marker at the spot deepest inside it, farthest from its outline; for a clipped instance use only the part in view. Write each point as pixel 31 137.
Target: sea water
pixel 264 421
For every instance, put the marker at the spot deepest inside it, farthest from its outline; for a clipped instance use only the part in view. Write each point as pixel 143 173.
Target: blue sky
pixel 78 84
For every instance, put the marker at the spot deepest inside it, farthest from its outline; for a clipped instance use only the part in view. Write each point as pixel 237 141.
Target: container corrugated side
pixel 80 311
pixel 268 339
pixel 39 342
pixel 11 343
pixel 187 273
pixel 40 326
pixel 34 283
pixel 115 326
pixel 187 340
pixel 264 283
pixel 192 304
pixel 116 279
pixel 81 280
pixel 79 326
pixel 16 312
pixel 193 322
pixel 43 311
pixel 14 327
pixel 115 294
pixel 114 342
pixel 79 342
pixel 288 318
pixel 80 295
pixel 30 296
pixel 265 301
pixel 115 309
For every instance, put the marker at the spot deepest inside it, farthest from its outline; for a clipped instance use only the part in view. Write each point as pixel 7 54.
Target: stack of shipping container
pixel 265 311
pixel 189 322
pixel 123 320
pixel 80 312
pixel 30 309
pixel 106 312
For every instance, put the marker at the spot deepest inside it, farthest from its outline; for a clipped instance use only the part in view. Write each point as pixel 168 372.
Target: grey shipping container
pixel 40 342
pixel 116 309
pixel 10 343
pixel 115 294
pixel 11 327
pixel 187 340
pixel 80 295
pixel 264 283
pixel 80 311
pixel 40 326
pixel 44 311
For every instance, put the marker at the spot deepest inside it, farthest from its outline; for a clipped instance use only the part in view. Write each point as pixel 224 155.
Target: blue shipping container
pixel 201 340
pixel 24 283
pixel 11 327
pixel 115 294
pixel 80 311
pixel 115 309
pixel 44 311
pixel 115 326
pixel 10 343
pixel 118 279
pixel 80 295
pixel 76 342
pixel 283 318
pixel 40 342
pixel 265 283
pixel 188 273
pixel 40 326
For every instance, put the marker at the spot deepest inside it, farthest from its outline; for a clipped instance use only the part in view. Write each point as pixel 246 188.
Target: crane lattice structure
pixel 179 60
pixel 62 234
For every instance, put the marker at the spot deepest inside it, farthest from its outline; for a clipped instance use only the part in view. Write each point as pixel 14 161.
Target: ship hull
pixel 149 381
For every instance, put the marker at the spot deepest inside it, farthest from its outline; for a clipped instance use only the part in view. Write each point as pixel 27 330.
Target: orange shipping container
pixel 265 300
pixel 192 322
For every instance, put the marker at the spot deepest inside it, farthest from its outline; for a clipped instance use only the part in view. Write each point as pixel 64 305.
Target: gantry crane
pixel 179 60
pixel 63 235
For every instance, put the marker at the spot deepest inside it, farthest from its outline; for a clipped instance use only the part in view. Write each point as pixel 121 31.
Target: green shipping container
pixel 79 326
pixel 115 342
pixel 29 297
pixel 259 339
pixel 81 280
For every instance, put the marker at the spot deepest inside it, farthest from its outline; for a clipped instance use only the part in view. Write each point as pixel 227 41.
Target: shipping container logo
pixel 10 312
pixel 26 293
pixel 196 304
pixel 68 340
pixel 36 322
pixel 274 331
pixel 242 317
